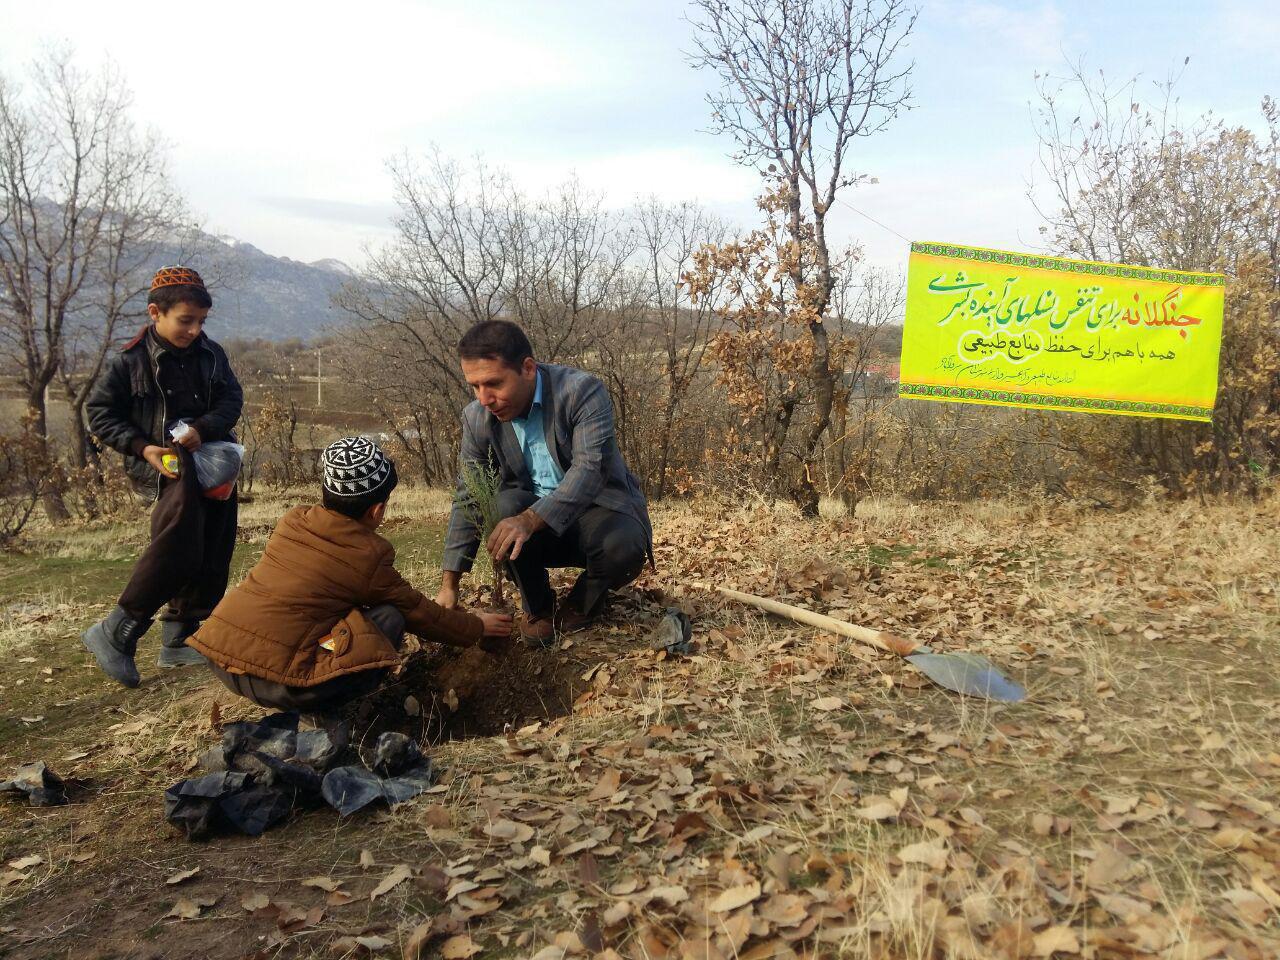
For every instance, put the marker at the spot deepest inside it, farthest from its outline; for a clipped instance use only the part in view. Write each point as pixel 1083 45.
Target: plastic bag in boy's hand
pixel 217 467
pixel 217 464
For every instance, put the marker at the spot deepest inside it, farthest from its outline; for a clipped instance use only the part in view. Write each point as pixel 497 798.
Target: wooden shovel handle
pixel 881 639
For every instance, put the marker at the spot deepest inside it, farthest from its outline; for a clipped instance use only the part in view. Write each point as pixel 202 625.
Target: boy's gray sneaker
pixel 113 642
pixel 174 651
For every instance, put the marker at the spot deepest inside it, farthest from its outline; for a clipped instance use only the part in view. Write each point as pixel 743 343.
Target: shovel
pixel 967 673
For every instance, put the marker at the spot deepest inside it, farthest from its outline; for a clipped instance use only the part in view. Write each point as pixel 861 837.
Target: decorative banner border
pixel 1120 272
pixel 1013 398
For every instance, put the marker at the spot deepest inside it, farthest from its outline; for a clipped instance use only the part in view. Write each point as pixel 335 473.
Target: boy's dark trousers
pixel 189 558
pixel 323 696
pixel 611 548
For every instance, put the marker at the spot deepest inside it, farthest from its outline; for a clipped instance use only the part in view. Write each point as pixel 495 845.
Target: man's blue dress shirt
pixel 533 444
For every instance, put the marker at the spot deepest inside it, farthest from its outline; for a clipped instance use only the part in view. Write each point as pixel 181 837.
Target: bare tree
pixel 801 81
pixel 864 305
pixel 669 237
pixel 569 259
pixel 83 197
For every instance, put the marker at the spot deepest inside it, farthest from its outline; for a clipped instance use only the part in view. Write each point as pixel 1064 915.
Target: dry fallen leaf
pixel 670 894
pixel 931 853
pixel 606 786
pixel 878 810
pixel 510 831
pixel 255 902
pixel 190 908
pixel 783 910
pixel 1213 742
pixel 1265 890
pixel 397 876
pixel 437 816
pixel 27 862
pixel 1053 940
pixel 461 887
pixel 735 897
pixel 459 948
pixel 322 883
pixel 617 913
pixel 1108 867
pixel 1251 907
pixel 827 704
pixel 182 875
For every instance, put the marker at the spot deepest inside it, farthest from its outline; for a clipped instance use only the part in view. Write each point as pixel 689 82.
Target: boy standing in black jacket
pixel 170 371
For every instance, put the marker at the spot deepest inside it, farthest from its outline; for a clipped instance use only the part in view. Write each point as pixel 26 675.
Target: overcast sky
pixel 281 115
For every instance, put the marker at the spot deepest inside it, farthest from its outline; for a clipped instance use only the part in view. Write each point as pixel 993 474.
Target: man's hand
pixel 510 535
pixel 155 456
pixel 448 595
pixel 191 439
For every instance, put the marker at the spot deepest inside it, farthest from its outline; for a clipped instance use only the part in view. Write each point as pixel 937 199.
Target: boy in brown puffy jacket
pixel 322 616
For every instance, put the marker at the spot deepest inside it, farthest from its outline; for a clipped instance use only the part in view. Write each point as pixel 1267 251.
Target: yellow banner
pixel 1019 330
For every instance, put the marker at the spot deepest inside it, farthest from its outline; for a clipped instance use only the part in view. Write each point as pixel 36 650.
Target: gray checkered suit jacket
pixel 578 417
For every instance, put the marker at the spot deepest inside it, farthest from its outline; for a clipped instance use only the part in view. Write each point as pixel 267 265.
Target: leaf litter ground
pixel 781 792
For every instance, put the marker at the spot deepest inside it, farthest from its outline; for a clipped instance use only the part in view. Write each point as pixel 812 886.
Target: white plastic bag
pixel 217 463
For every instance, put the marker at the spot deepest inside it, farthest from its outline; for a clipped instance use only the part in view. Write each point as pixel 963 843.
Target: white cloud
pixel 1247 25
pixel 673 174
pixel 1011 30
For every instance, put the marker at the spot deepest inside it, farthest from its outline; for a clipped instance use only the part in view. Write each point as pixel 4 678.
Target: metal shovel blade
pixel 966 673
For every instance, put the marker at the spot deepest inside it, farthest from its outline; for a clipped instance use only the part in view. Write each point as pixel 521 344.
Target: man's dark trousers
pixel 189 559
pixel 611 548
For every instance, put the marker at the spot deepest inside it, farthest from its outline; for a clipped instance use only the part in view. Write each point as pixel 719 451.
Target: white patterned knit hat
pixel 353 467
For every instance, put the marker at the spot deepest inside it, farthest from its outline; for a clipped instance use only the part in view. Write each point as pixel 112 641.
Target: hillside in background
pixel 258 295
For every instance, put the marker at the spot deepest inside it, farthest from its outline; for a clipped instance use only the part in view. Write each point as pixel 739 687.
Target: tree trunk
pixel 80 442
pixel 664 446
pixel 55 507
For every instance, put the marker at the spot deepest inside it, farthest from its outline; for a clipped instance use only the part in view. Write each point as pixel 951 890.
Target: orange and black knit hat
pixel 176 277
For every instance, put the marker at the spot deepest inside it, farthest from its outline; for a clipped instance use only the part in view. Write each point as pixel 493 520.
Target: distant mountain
pixel 258 295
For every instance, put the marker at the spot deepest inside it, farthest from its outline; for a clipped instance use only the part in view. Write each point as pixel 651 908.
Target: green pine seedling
pixel 478 498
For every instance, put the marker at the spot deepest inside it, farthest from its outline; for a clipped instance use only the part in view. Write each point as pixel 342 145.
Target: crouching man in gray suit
pixel 567 497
